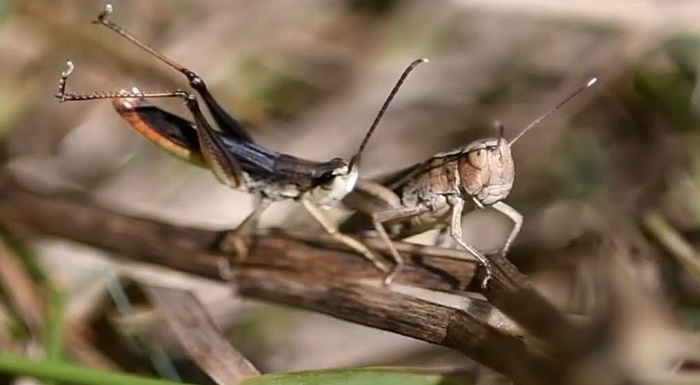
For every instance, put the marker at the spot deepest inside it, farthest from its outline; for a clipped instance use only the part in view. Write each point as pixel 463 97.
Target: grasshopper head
pixel 485 166
pixel 337 183
pixel 486 170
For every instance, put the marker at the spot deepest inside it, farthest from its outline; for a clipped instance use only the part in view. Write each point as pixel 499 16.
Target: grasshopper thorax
pixel 486 170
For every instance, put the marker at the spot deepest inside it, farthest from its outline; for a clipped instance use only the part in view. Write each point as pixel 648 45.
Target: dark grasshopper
pixel 230 152
pixel 432 194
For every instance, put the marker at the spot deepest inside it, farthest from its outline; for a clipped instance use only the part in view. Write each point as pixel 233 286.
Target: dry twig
pixel 200 338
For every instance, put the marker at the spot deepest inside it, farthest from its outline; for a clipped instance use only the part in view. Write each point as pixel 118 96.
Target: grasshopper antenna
pixel 554 109
pixel 356 158
pixel 501 131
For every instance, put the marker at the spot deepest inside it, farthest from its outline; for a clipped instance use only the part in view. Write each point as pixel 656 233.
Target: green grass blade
pixel 64 372
pixel 358 376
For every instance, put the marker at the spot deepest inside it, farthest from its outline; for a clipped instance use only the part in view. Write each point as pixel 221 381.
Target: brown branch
pixel 199 336
pixel 322 278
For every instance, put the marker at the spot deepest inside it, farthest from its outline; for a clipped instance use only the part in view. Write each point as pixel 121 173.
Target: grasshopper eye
pixel 340 171
pixel 478 158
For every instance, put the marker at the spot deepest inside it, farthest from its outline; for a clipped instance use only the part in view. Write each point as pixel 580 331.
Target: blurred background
pixel 608 183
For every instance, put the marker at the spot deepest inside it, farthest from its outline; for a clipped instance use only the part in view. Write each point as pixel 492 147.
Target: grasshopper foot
pixel 378 264
pixel 237 248
pixel 487 275
pixel 236 245
pixel 226 271
pixel 393 274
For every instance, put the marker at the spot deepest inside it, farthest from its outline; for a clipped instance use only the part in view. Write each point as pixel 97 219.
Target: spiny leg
pixel 332 230
pixel 378 220
pixel 223 119
pixel 237 240
pixel 103 18
pixel 224 167
pixel 457 204
pixel 172 133
pixel 63 96
pixel 517 219
pixel 204 132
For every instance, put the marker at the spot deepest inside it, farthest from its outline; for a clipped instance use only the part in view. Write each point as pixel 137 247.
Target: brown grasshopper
pixel 432 194
pixel 230 152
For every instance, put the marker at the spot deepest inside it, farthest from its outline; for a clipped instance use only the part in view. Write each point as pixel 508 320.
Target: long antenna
pixel 356 158
pixel 501 130
pixel 554 109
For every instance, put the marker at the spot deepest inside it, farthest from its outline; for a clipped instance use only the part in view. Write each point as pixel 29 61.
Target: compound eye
pixel 477 158
pixel 340 171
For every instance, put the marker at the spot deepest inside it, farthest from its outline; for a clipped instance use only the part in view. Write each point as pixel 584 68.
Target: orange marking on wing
pixel 204 157
pixel 161 141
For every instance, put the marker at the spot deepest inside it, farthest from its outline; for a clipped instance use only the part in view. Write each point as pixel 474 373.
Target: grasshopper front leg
pixel 457 204
pixel 517 219
pixel 511 213
pixel 348 241
pixel 502 207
